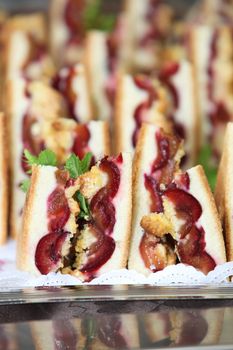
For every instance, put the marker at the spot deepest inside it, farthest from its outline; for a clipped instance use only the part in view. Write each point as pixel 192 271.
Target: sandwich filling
pixel 81 216
pixel 171 230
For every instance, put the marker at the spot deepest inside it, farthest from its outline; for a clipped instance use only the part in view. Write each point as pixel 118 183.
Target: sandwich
pixel 72 83
pixel 163 102
pixel 174 214
pixel 26 35
pixel 148 24
pixel 139 99
pixel 106 332
pixel 211 51
pixel 77 221
pixel 101 73
pixel 37 115
pixel 223 190
pixel 182 111
pixel 67 30
pixel 3 181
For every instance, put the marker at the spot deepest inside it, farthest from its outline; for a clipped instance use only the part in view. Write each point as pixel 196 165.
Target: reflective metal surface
pixel 151 324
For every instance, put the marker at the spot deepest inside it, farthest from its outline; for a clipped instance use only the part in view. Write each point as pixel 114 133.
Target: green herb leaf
pixel 84 206
pixel 25 185
pixel 30 159
pixel 94 18
pixel 77 167
pixel 47 157
pixel 205 159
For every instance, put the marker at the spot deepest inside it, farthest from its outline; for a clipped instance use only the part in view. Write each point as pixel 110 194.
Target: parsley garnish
pixel 77 167
pixel 25 185
pixel 45 157
pixel 205 159
pixel 94 18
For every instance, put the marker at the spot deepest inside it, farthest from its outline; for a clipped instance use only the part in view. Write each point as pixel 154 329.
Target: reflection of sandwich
pixel 71 82
pixel 3 181
pixel 223 190
pixel 26 35
pixel 78 224
pixel 36 113
pixel 107 332
pixel 67 30
pixel 183 327
pixel 212 54
pixel 174 215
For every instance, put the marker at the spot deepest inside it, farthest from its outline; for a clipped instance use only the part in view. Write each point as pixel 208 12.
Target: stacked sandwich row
pixel 128 94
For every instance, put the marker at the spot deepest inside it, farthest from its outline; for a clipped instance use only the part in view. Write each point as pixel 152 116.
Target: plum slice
pixel 74 19
pixel 82 137
pixel 58 210
pixel 48 251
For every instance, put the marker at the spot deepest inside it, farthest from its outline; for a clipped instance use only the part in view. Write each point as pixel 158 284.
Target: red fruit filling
pixel 58 210
pixel 73 16
pixel 103 215
pixel 63 84
pixel 48 251
pixel 191 244
pixel 81 140
pixel 140 114
pixel 36 53
pixel 108 330
pixel 65 335
pixel 165 76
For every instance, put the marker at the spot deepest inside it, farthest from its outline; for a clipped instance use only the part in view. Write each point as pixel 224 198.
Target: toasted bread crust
pixel 118 116
pixel 106 137
pixel 4 180
pixel 223 190
pixel 23 237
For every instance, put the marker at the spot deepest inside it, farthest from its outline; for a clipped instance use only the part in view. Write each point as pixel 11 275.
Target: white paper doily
pixel 172 275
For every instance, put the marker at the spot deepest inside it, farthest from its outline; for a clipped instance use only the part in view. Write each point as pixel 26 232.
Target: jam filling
pixel 140 113
pixel 103 218
pixel 62 82
pixel 36 53
pixel 191 243
pixel 73 16
pixel 65 335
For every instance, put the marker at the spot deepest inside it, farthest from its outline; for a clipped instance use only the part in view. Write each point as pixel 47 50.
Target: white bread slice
pixel 63 51
pixel 44 332
pixel 77 81
pixel 96 61
pixel 187 112
pixel 44 104
pixel 122 228
pixel 35 220
pixel 146 153
pixel 202 38
pixel 128 97
pixel 22 34
pixel 223 188
pixel 3 181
